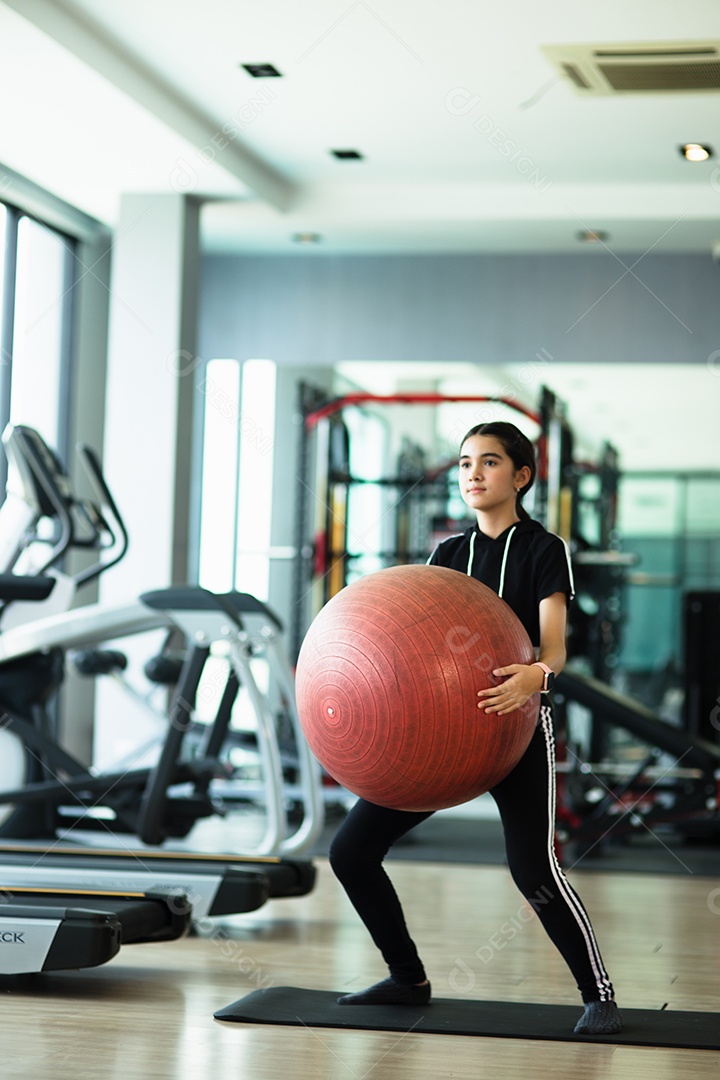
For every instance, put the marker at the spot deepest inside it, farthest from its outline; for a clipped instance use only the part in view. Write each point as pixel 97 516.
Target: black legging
pixel 526 800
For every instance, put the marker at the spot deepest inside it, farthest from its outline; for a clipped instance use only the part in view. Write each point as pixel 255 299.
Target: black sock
pixel 599 1018
pixel 389 992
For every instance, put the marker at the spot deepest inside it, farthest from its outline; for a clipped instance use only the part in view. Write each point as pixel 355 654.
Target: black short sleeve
pixel 554 572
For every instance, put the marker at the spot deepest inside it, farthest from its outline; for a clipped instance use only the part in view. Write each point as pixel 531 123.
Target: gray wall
pixel 319 309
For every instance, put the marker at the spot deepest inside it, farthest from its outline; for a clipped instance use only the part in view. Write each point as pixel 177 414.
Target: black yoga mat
pixel 494 1019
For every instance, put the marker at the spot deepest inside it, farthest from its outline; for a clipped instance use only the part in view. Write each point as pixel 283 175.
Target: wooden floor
pixel 149 1013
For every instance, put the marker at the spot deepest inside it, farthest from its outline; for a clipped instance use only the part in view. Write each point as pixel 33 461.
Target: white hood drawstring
pixel 505 555
pixel 473 534
pixel 504 560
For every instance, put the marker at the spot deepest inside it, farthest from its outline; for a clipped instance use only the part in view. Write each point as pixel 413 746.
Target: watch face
pixel 549 680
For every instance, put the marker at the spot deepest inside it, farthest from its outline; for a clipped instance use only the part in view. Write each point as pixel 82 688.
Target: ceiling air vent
pixel 659 67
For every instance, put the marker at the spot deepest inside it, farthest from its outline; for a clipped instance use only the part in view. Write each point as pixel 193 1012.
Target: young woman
pixel 530 569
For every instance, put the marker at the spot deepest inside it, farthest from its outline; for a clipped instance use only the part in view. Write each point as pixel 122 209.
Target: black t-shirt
pixel 524 564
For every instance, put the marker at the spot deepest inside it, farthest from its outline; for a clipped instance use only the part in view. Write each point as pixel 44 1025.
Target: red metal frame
pixel 314 417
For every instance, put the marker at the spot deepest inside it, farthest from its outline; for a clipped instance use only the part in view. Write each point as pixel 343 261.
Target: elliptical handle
pixel 93 470
pixel 32 448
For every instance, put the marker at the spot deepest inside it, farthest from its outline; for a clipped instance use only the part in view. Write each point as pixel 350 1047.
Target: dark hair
pixel 518 448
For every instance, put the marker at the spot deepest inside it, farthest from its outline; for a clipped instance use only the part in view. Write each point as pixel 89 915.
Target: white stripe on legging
pixel 601 978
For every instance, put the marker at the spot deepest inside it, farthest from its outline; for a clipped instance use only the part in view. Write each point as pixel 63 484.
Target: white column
pixel 148 425
pixel 154 286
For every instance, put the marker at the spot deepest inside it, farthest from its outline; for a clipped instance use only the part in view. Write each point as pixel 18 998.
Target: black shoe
pixel 599 1018
pixel 389 992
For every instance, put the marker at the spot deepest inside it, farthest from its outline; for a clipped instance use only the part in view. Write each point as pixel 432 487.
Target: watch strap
pixel 547 672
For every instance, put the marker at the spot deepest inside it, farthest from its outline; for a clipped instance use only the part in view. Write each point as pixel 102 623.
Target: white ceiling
pixel 472 143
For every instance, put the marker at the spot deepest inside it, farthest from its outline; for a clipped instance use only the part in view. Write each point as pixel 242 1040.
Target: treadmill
pixel 44 930
pixel 214 885
pixel 219 884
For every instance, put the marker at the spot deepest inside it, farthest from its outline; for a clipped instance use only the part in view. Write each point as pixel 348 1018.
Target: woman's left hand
pixel 519 686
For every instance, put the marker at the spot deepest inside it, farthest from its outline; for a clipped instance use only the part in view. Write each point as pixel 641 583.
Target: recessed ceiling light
pixel 307 238
pixel 693 151
pixel 262 71
pixel 592 236
pixel 347 155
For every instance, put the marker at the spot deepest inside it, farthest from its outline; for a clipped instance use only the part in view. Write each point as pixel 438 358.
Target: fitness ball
pixel 387 681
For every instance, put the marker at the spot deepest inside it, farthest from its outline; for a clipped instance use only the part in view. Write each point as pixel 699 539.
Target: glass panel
pixel 651 633
pixel 672 524
pixel 37 337
pixel 703 506
pixel 369 508
pixel 648 507
pixel 588 518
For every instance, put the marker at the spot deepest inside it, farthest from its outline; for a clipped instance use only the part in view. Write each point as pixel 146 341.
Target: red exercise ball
pixel 387 681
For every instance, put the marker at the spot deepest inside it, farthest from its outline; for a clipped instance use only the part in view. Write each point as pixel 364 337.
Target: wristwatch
pixel 549 680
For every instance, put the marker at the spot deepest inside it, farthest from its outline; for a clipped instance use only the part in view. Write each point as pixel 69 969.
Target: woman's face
pixel 487 475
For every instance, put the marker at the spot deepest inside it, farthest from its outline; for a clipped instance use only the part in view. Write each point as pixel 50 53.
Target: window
pixel 36 282
pixel 237 467
pixel 38 332
pixel 218 498
pixel 255 487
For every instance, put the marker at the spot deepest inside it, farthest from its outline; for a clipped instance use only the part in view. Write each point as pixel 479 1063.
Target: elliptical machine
pixel 43 788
